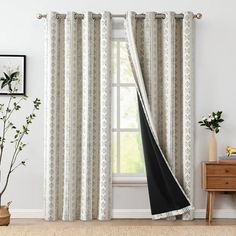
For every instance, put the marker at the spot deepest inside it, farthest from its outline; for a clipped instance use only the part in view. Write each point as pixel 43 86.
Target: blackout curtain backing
pixel 78 117
pixel 161 54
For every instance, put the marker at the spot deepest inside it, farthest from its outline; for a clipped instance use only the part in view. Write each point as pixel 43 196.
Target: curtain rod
pixel 142 16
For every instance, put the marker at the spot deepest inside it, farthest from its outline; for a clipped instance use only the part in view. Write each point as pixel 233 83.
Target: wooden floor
pixel 135 222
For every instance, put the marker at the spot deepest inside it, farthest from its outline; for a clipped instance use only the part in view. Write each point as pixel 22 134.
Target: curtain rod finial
pixel 40 16
pixel 198 16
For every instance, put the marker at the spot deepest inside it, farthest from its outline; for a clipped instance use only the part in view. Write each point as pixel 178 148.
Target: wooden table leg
pixel 210 207
pixel 211 204
pixel 207 208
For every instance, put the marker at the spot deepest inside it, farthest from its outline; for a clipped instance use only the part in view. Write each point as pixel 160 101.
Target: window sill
pixel 129 181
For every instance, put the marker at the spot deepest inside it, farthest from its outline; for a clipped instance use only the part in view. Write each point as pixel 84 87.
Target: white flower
pixel 216 116
pixel 204 118
pixel 219 128
pixel 209 119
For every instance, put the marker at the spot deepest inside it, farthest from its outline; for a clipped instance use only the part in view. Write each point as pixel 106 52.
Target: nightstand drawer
pixel 220 170
pixel 221 182
pixel 217 177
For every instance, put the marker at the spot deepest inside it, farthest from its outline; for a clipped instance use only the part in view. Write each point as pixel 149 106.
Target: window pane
pixel 114 107
pixel 114 152
pixel 131 159
pixel 128 107
pixel 127 153
pixel 126 75
pixel 114 62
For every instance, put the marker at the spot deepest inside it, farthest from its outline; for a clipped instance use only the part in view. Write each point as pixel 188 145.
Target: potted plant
pixel 212 122
pixel 12 135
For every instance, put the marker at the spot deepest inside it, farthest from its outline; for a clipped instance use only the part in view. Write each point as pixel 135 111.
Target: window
pixel 127 145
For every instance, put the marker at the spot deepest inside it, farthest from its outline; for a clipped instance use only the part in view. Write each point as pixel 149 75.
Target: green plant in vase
pixel 12 135
pixel 213 123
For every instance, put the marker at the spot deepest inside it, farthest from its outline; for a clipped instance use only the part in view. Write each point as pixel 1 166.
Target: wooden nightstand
pixel 217 178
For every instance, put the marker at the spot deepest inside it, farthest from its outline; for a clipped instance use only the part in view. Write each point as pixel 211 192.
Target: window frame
pixel 122 179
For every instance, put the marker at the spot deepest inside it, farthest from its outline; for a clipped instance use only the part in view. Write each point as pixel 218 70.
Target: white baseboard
pixel 131 214
pixel 27 213
pixel 146 214
pixel 127 213
pixel 218 213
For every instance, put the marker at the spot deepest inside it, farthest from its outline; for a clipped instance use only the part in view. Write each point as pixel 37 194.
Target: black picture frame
pixel 13 62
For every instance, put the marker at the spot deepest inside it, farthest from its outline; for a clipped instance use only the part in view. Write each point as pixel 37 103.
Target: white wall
pixel 22 33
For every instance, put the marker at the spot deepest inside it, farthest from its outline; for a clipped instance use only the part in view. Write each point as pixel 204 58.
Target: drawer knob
pixel 226 171
pixel 226 182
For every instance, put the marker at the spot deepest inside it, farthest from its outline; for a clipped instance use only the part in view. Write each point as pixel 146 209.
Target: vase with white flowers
pixel 12 136
pixel 213 123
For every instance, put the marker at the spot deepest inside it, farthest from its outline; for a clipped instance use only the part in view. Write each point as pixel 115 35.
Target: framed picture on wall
pixel 12 74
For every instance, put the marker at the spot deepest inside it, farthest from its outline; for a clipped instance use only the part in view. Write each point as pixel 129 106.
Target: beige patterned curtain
pixel 161 53
pixel 78 117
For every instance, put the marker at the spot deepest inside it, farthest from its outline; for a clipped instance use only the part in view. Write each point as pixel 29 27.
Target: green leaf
pixel 4 83
pixel 6 75
pixel 14 75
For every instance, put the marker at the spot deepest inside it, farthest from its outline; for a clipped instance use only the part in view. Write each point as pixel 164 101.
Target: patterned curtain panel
pixel 161 54
pixel 78 117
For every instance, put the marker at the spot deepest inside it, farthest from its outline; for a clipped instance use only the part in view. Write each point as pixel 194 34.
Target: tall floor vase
pixel 212 147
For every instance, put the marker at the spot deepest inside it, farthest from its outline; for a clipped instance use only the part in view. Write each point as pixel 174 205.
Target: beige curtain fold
pixel 164 78
pixel 78 117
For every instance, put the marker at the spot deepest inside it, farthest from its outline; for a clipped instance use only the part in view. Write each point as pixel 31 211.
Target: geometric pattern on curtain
pixel 78 117
pixel 164 49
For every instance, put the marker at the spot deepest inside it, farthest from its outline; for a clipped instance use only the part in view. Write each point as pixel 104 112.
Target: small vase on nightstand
pixel 212 147
pixel 212 122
